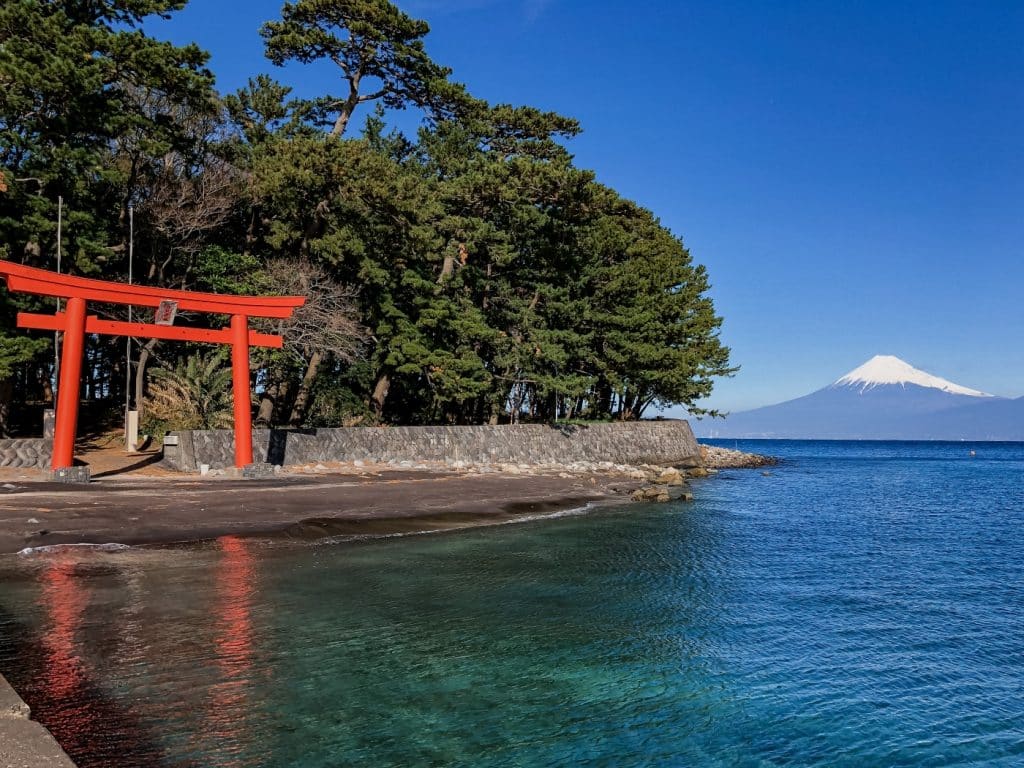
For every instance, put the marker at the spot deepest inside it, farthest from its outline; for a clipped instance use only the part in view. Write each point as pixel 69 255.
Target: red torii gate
pixel 76 324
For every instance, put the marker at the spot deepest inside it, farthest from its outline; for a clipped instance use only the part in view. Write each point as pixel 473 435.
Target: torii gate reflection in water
pixel 75 324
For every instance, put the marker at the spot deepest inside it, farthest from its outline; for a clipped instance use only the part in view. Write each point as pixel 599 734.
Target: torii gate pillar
pixel 240 387
pixel 75 324
pixel 69 386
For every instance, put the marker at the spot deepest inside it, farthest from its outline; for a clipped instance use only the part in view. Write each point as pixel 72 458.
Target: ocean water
pixel 861 604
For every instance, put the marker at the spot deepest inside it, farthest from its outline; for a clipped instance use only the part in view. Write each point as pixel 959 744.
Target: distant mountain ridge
pixel 886 398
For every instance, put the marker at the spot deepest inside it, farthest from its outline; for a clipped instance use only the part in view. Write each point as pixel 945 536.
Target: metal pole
pixel 130 429
pixel 56 334
pixel 128 340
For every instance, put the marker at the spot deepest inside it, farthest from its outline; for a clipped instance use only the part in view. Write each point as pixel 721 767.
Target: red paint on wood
pixel 240 386
pixel 146 330
pixel 74 323
pixel 68 388
pixel 22 279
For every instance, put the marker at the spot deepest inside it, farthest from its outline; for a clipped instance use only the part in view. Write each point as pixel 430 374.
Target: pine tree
pixel 72 76
pixel 378 49
pixel 655 333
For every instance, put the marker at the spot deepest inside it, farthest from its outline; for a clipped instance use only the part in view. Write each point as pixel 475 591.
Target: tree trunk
pixel 625 405
pixel 6 393
pixel 302 398
pixel 516 399
pixel 268 403
pixel 575 407
pixel 315 227
pixel 446 268
pixel 46 385
pixel 316 224
pixel 550 408
pixel 342 121
pixel 250 232
pixel 603 400
pixel 485 302
pixel 140 375
pixel 345 113
pixel 629 409
pixel 642 406
pixel 380 394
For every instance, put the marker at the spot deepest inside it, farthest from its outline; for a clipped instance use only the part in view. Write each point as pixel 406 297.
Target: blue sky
pixel 851 173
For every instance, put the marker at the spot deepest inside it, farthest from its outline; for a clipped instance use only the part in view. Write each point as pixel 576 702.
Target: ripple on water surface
pixel 858 606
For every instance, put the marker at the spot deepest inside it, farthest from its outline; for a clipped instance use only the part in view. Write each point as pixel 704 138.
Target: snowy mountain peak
pixel 883 370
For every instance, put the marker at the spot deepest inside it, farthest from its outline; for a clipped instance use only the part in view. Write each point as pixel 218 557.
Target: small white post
pixel 132 437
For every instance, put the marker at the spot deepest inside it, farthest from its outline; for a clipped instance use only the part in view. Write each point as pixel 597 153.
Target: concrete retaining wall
pixel 24 743
pixel 644 442
pixel 26 452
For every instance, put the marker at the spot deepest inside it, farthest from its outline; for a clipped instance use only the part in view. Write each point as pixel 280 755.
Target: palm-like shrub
pixel 194 394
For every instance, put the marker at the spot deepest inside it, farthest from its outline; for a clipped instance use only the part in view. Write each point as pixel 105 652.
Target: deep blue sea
pixel 861 604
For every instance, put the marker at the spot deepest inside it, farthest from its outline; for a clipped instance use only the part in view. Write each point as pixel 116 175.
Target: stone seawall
pixel 644 442
pixel 26 452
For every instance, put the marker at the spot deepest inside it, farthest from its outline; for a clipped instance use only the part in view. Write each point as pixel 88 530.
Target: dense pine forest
pixel 469 273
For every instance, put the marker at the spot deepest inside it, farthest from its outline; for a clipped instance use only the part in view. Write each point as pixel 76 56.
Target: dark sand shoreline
pixel 188 509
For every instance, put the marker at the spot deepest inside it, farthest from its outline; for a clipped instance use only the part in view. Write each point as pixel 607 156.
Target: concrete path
pixel 24 743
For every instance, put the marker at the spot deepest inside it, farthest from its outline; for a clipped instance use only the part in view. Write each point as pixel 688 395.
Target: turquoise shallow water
pixel 860 605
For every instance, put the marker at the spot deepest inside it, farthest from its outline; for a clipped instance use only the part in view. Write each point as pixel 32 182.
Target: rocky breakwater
pixel 640 482
pixel 670 483
pixel 643 482
pixel 715 457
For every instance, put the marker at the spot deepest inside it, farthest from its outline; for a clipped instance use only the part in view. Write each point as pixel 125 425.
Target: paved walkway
pixel 24 743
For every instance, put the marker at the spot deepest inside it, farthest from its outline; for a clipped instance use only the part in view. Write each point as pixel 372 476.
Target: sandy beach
pixel 142 510
pixel 135 501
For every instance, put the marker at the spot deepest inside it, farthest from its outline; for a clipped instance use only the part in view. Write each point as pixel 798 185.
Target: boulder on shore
pixel 650 493
pixel 670 476
pixel 661 494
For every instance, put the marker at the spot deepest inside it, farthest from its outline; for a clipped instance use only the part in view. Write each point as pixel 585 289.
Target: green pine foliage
pixel 492 280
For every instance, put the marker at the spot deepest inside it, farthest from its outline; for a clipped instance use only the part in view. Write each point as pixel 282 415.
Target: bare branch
pixel 373 96
pixel 327 323
pixel 183 208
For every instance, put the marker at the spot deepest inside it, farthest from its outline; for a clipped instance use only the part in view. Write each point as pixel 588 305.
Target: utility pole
pixel 56 334
pixel 131 418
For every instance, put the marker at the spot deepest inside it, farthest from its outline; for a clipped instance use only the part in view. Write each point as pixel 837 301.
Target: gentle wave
pixel 483 523
pixel 50 549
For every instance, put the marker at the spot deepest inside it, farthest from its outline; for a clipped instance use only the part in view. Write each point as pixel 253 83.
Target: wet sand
pixel 178 509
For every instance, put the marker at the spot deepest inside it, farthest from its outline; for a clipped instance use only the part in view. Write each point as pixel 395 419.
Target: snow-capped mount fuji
pixel 886 398
pixel 886 370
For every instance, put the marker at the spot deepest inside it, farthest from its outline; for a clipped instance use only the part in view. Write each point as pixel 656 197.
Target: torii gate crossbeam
pixel 75 324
